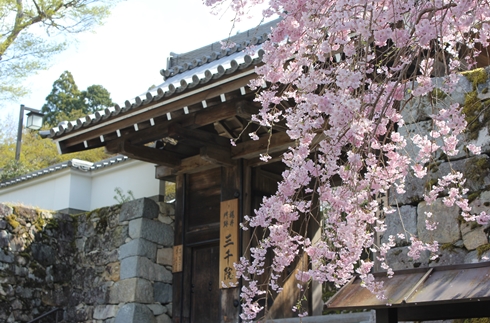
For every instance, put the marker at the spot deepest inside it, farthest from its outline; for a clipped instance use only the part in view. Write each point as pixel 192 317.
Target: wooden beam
pixel 278 142
pixel 151 155
pixel 246 109
pixel 165 173
pixel 197 138
pixel 192 121
pixel 217 156
pixel 188 165
pixel 210 115
pixel 255 162
pixel 387 315
pixel 146 135
pixel 443 311
pixel 195 164
pixel 146 112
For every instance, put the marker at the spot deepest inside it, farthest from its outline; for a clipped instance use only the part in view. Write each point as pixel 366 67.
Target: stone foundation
pixel 109 265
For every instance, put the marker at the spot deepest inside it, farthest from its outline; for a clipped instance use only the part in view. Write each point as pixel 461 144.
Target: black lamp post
pixel 34 121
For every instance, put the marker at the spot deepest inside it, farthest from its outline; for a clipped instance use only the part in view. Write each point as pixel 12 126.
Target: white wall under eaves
pixel 74 189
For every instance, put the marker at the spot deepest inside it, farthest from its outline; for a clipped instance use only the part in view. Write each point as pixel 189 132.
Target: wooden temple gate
pixel 184 127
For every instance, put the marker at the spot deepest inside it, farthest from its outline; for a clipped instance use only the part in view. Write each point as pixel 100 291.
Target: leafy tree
pixel 37 153
pixel 65 97
pixel 24 49
pixel 13 168
pixel 96 97
pixel 351 67
pixel 67 102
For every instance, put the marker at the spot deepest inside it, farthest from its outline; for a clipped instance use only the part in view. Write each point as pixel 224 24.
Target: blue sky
pixel 126 54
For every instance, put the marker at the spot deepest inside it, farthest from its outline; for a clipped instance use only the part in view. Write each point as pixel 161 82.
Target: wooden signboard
pixel 228 253
pixel 177 259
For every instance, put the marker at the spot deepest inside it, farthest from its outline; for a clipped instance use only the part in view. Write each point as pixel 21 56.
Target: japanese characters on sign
pixel 228 242
pixel 177 259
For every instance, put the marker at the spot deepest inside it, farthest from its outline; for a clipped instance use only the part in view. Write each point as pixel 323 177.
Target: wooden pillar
pixel 388 315
pixel 180 304
pixel 231 188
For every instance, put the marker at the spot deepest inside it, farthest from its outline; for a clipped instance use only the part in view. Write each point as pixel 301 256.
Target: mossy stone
pixel 476 111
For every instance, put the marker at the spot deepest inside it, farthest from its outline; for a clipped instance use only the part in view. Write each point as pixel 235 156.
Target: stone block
pixel 4 238
pixel 398 259
pixel 5 210
pixel 473 235
pixel 157 309
pixel 416 109
pixel 403 221
pixel 21 271
pixel 45 254
pixel 141 208
pixel 167 209
pixel 422 128
pixel 103 312
pixel 131 290
pixel 165 219
pixel 155 231
pixel 4 257
pixel 162 292
pixel 99 294
pixel 112 271
pixel 449 256
pixel 169 309
pixel 447 218
pixel 135 313
pixel 476 170
pixel 481 204
pixel 143 267
pixel 138 247
pixel 473 257
pixel 420 108
pixel 79 313
pixel 165 256
pixel 164 318
pixel 414 188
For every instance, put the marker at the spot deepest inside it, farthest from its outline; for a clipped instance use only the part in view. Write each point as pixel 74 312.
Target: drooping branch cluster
pixel 350 67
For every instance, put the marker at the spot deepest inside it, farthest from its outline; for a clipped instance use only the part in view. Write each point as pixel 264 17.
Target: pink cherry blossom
pixel 351 68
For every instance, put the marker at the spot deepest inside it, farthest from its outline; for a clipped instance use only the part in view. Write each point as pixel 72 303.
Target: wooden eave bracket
pixel 216 155
pixel 151 155
pixel 197 138
pixel 277 142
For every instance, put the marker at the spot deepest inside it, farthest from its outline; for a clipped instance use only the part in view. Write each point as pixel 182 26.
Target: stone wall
pixel 460 242
pixel 108 265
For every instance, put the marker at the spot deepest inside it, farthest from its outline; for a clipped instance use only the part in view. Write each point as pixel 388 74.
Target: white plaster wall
pixel 84 190
pixel 49 192
pixel 134 175
pixel 79 187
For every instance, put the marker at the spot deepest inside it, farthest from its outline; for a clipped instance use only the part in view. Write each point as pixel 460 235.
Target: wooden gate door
pixel 197 295
pixel 205 295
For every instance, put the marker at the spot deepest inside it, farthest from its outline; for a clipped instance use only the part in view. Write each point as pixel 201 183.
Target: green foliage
pixel 121 197
pixel 13 168
pixel 476 111
pixel 37 153
pixel 482 249
pixel 65 97
pixel 478 320
pixel 67 102
pixel 31 32
pixel 12 220
pixel 96 97
pixel 169 191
